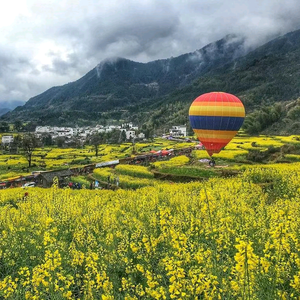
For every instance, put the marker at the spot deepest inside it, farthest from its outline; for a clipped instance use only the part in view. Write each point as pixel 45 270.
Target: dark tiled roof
pixel 60 173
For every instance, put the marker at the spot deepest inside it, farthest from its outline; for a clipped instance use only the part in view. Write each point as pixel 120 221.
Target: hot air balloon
pixel 216 118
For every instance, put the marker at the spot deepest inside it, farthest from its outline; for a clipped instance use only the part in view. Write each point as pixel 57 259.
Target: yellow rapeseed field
pixel 235 238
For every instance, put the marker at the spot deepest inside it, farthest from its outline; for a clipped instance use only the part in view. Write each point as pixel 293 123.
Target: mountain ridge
pixel 121 89
pixel 122 82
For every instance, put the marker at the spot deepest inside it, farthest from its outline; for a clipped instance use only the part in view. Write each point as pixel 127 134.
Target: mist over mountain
pixel 6 106
pixel 117 83
pixel 4 110
pixel 158 93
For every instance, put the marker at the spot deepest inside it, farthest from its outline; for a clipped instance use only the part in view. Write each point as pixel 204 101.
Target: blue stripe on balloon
pixel 216 123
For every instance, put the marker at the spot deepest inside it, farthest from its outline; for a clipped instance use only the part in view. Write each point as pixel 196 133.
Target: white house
pixel 55 131
pixel 7 139
pixel 65 131
pixel 129 133
pixel 42 129
pixel 141 135
pixel 178 130
pixel 110 128
pixel 129 125
pixel 99 128
pixel 75 130
pixel 83 135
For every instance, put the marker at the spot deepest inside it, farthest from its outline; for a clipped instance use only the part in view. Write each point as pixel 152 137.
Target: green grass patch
pixel 190 171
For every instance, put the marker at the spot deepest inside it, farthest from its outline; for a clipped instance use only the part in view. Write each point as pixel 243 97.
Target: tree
pixel 96 139
pixel 16 144
pixel 190 131
pixel 75 142
pixel 47 139
pixel 18 125
pixel 60 141
pixel 149 132
pixel 259 120
pixel 294 113
pixel 113 136
pixel 30 126
pixel 123 136
pixel 4 127
pixel 28 145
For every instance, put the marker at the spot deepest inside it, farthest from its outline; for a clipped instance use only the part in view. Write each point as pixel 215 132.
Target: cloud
pixel 43 44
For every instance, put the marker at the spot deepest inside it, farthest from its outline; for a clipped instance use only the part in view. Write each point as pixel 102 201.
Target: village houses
pixel 84 132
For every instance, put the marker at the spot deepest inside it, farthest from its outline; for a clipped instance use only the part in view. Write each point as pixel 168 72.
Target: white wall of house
pixel 130 134
pixel 129 125
pixel 42 129
pixel 83 135
pixel 7 139
pixel 178 130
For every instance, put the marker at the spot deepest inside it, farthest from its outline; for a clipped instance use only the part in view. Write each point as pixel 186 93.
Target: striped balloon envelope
pixel 216 118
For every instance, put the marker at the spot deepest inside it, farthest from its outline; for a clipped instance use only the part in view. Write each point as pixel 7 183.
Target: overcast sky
pixel 52 42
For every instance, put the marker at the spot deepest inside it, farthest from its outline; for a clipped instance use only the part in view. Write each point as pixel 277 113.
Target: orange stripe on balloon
pixel 215 140
pixel 213 103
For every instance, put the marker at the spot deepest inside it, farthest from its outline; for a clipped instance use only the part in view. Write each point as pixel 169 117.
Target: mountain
pixel 4 110
pixel 117 84
pixel 6 106
pixel 267 80
pixel 158 94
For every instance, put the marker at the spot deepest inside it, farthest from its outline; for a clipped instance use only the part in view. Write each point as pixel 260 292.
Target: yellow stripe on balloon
pixel 218 111
pixel 220 134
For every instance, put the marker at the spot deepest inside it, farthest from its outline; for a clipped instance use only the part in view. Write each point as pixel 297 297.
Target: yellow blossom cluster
pixel 230 155
pixel 135 171
pixel 173 162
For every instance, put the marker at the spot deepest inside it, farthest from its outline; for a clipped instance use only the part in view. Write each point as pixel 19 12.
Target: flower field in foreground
pixel 235 238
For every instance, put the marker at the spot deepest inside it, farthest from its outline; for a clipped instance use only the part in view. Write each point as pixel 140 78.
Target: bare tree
pixel 96 139
pixel 28 145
